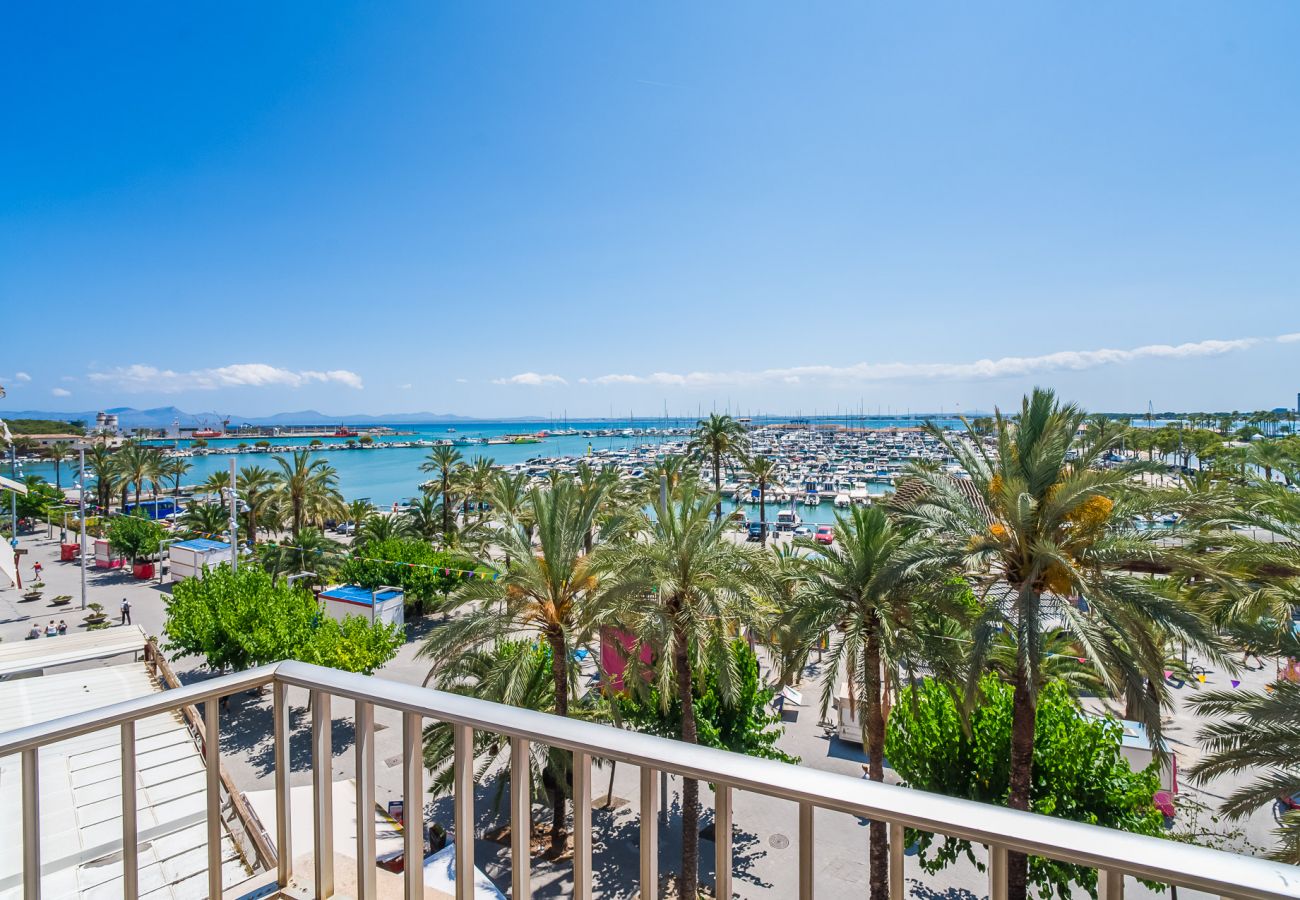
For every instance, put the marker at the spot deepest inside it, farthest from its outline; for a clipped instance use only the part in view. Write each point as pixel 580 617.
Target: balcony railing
pixel 1115 854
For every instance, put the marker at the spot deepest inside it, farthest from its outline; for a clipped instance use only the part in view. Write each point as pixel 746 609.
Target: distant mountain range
pixel 163 416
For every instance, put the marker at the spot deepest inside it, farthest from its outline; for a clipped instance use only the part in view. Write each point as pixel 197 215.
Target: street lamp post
pixel 81 507
pixel 234 520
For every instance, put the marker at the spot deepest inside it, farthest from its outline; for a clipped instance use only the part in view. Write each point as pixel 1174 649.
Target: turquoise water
pixel 387 475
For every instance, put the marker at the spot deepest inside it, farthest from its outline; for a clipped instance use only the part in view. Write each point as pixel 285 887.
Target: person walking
pixel 126 612
pixel 36 567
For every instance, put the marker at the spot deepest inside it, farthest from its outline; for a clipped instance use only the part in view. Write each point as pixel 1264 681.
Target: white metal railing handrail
pixel 1115 853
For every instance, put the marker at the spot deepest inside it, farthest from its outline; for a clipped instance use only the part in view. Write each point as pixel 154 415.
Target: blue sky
pixel 503 209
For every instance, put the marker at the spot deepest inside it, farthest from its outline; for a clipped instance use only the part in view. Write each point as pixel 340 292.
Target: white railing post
pixel 997 873
pixel 364 728
pixel 463 808
pixel 212 764
pixel 806 872
pixel 322 789
pixel 722 840
pixel 649 833
pixel 582 826
pixel 31 825
pixel 130 832
pixel 283 803
pixel 413 805
pixel 896 849
pixel 521 821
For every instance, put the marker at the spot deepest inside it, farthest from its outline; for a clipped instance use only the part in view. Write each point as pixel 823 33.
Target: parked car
pixel 802 531
pixel 825 535
pixel 755 531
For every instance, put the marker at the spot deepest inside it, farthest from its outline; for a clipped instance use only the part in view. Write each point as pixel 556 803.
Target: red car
pixel 825 534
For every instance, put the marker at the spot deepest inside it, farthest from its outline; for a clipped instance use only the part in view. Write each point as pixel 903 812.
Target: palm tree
pixel 423 516
pixel 684 590
pixel 376 528
pixel 257 490
pixel 857 586
pixel 546 590
pixel 1032 527
pixel 1255 734
pixel 360 511
pixel 310 551
pixel 515 672
pixel 206 519
pixel 307 490
pixel 137 463
pixel 175 468
pixel 100 458
pixel 713 439
pixel 57 452
pixel 761 469
pixel 217 483
pixel 442 462
pixel 1268 455
pixel 478 480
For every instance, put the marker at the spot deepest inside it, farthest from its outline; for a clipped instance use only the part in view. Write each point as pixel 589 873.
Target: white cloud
pixel 1007 366
pixel 141 378
pixel 1288 338
pixel 462 381
pixel 404 387
pixel 60 392
pixel 22 376
pixel 532 379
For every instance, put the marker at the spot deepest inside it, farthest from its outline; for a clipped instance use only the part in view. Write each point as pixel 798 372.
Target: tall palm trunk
pixel 875 746
pixel 717 481
pixel 559 653
pixel 762 512
pixel 1023 712
pixel 58 476
pixel 689 884
pixel 446 509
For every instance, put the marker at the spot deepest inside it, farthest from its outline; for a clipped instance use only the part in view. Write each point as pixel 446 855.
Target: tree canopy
pixel 242 619
pixel 1079 772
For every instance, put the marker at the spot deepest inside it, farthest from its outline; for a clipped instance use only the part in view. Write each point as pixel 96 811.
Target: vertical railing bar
pixel 212 763
pixel 1110 884
pixel 997 872
pixel 364 728
pixel 582 825
pixel 896 849
pixel 521 820
pixel 463 812
pixel 283 803
pixel 413 805
pixel 31 825
pixel 722 840
pixel 130 828
pixel 805 851
pixel 649 833
pixel 322 789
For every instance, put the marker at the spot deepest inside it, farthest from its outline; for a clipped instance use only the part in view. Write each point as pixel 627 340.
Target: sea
pixel 387 475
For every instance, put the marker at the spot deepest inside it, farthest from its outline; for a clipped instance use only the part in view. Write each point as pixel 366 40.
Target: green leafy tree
pixel 241 619
pixel 40 501
pixel 307 490
pixel 1080 773
pixel 135 537
pixel 425 574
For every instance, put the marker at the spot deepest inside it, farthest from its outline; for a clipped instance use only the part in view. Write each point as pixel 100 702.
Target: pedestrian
pixel 1247 655
pixel 63 627
pixel 126 612
pixel 51 630
pixel 36 567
